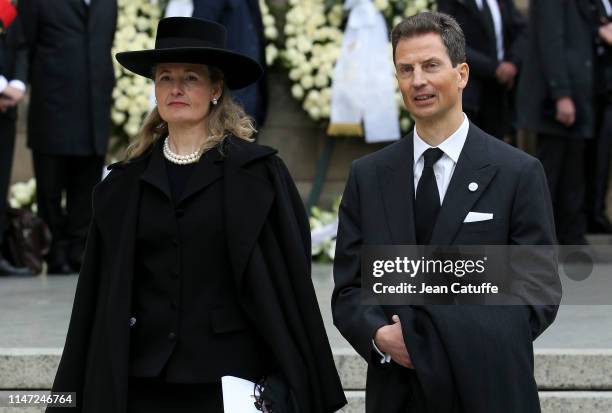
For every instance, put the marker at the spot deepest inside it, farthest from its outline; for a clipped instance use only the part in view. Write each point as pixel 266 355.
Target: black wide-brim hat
pixel 193 40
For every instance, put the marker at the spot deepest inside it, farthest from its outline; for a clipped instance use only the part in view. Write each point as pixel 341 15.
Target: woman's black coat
pixel 269 245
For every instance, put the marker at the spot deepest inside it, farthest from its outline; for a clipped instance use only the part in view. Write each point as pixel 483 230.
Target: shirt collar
pixel 451 146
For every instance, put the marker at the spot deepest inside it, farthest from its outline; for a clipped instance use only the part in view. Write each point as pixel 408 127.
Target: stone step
pixel 560 369
pixel 550 401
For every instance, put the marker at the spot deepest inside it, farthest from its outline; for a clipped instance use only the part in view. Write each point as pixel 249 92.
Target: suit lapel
pixel 396 179
pixel 80 9
pixel 472 167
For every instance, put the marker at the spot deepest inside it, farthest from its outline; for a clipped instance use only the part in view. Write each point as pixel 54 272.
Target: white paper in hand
pixel 238 395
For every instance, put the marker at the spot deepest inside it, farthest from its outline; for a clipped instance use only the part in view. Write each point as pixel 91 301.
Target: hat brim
pixel 239 70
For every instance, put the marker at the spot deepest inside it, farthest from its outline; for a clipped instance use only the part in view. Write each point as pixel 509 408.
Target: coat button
pixel 180 213
pixel 174 275
pixel 173 306
pixel 172 336
pixel 175 242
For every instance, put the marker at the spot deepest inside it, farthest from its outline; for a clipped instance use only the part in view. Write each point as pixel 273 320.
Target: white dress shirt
pixel 607 6
pixel 497 23
pixel 443 170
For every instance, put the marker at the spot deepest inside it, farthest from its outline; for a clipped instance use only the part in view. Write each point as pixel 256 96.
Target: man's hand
pixel 566 111
pixel 389 339
pixel 605 32
pixel 505 73
pixel 13 93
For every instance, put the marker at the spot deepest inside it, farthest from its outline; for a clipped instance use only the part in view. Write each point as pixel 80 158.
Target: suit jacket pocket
pixel 480 226
pixel 227 320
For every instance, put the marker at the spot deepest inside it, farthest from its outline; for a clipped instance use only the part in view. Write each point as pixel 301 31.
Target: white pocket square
pixel 478 216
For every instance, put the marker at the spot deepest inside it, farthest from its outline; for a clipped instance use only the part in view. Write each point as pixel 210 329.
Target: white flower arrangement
pixel 136 25
pixel 313 41
pixel 323 227
pixel 270 33
pixel 23 195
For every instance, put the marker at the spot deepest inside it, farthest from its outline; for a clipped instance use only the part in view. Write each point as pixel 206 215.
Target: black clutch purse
pixel 275 396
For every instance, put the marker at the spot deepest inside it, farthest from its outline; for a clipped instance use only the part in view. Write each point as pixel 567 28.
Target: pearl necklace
pixel 180 159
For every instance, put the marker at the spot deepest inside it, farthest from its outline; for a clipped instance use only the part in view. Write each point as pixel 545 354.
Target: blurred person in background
pixel 599 151
pixel 13 73
pixel 242 18
pixel 71 79
pixel 494 33
pixel 555 99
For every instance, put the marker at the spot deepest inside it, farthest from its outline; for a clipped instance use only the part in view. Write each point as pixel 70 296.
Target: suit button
pixel 180 213
pixel 174 275
pixel 173 306
pixel 172 336
pixel 175 242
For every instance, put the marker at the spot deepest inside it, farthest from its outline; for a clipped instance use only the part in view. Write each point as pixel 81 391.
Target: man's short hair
pixel 433 22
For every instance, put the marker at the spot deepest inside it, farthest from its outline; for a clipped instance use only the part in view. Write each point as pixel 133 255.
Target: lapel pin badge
pixel 473 186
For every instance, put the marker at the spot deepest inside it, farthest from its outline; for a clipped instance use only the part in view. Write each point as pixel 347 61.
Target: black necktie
pixel 487 15
pixel 427 202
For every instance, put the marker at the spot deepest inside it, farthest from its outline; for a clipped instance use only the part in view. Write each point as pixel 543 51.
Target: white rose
pixel 268 20
pixel 405 124
pixel 295 74
pixel 131 129
pixel 307 82
pixel 14 203
pixel 297 92
pixel 321 80
pixel 122 103
pixel 325 111
pixel 271 32
pixel 271 54
pixel 23 196
pixel 315 113
pixel 118 117
pixel 289 29
pixel 381 4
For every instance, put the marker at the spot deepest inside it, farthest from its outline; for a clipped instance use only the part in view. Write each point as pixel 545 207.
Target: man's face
pixel 430 85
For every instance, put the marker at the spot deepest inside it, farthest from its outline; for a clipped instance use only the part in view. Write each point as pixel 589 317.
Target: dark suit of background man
pixel 242 18
pixel 13 72
pixel 494 32
pixel 555 99
pixel 71 78
pixel 442 358
pixel 599 150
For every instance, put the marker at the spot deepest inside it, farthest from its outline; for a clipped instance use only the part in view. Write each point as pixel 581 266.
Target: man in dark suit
pixel 13 71
pixel 493 32
pixel 555 97
pixel 242 18
pixel 71 78
pixel 426 189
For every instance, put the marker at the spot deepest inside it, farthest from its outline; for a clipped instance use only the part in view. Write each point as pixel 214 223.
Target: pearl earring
pixel 214 101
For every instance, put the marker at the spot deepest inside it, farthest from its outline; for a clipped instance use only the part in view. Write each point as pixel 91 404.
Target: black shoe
pixel 6 268
pixel 60 268
pixel 600 224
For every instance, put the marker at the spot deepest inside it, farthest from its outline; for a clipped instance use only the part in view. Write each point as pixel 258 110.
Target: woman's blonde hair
pixel 224 119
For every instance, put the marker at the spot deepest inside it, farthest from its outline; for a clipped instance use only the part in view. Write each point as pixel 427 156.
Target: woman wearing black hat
pixel 198 257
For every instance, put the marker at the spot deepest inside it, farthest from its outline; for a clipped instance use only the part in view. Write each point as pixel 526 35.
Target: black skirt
pixel 154 395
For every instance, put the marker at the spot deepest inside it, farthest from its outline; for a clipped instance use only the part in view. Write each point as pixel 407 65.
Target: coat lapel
pixel 396 179
pixel 248 199
pixel 472 167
